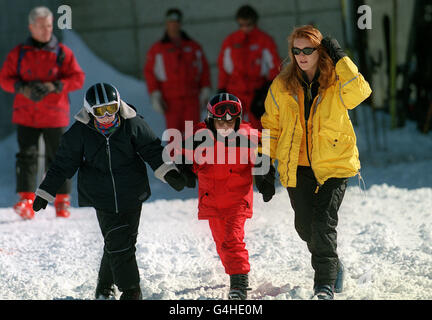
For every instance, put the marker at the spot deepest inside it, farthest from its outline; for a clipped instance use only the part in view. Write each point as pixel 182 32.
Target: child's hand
pixel 265 184
pixel 39 203
pixel 188 174
pixel 175 179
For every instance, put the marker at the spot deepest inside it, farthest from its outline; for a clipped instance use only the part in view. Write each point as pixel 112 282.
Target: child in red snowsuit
pixel 221 154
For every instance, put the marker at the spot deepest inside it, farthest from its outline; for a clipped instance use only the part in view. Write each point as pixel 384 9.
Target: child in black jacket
pixel 109 144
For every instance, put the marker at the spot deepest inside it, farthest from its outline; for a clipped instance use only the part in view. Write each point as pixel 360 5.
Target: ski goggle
pixel 101 111
pixel 220 109
pixel 307 51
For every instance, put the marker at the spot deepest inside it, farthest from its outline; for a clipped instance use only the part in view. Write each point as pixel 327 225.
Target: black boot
pixel 133 293
pixel 324 292
pixel 104 292
pixel 338 287
pixel 238 287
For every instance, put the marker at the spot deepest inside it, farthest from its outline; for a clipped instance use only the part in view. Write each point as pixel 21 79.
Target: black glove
pixel 175 179
pixel 257 106
pixel 58 86
pixel 188 174
pixel 39 203
pixel 33 90
pixel 266 183
pixel 27 90
pixel 333 49
pixel 40 90
pixel 36 90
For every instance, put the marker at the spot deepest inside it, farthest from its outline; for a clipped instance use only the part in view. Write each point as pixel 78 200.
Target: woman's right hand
pixel 39 203
pixel 333 49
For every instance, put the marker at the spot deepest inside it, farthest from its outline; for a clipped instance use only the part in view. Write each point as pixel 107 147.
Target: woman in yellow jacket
pixel 313 140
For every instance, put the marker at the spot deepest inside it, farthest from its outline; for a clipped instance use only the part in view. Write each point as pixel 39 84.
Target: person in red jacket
pixel 177 75
pixel 224 164
pixel 247 63
pixel 40 72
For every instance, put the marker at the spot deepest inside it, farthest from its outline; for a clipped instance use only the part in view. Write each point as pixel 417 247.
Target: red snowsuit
pixel 54 61
pixel 179 72
pixel 225 191
pixel 245 63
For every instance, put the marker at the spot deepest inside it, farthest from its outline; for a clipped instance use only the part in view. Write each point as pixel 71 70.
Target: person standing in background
pixel 247 63
pixel 40 72
pixel 177 75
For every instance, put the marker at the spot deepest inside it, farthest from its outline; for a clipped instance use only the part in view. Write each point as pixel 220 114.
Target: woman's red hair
pixel 291 74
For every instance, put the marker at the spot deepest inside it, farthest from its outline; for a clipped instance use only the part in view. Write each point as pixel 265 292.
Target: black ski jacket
pixel 112 174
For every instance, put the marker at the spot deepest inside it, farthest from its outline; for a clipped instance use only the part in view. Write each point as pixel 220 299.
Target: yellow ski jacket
pixel 333 151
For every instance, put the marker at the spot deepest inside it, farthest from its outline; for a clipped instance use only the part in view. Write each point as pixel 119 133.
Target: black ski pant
pixel 27 156
pixel 316 219
pixel 118 265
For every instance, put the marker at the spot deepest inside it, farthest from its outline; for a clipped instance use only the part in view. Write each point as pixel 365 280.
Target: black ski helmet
pixel 101 94
pixel 224 106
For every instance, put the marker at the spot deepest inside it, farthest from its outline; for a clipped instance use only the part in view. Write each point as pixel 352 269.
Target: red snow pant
pixel 228 234
pixel 181 110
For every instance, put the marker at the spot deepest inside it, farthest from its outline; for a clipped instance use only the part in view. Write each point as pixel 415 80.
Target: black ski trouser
pixel 118 265
pixel 27 156
pixel 316 219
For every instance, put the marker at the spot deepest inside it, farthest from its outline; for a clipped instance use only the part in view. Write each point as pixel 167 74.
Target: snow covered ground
pixel 384 232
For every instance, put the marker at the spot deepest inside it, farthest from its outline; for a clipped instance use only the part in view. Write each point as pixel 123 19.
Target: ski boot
pixel 133 293
pixel 338 287
pixel 62 205
pixel 324 292
pixel 24 207
pixel 238 287
pixel 104 292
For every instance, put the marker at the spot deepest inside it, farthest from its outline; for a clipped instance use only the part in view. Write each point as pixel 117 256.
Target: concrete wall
pixel 376 42
pixel 122 32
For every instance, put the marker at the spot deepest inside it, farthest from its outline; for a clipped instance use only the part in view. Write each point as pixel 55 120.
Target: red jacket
pixel 54 61
pixel 224 189
pixel 177 71
pixel 247 61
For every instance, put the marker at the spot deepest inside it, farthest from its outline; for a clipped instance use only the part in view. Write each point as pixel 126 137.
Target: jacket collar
pixel 49 46
pixel 183 36
pixel 125 111
pixel 306 79
pixel 242 36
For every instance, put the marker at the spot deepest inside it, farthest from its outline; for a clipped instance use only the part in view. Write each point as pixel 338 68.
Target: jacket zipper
pixel 292 140
pixel 309 94
pixel 314 106
pixel 311 112
pixel 108 150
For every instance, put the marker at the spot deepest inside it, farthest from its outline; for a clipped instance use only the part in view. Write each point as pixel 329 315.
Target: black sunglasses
pixel 306 51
